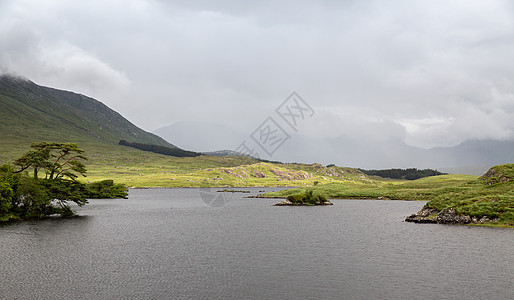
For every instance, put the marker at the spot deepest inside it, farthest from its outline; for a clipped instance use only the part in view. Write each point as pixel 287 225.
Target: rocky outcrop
pixel 498 174
pixel 290 175
pixel 426 215
pixel 445 216
pixel 289 203
pixel 260 174
pixel 449 216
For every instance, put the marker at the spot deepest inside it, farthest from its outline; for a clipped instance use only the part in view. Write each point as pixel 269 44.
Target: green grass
pixel 137 168
pixel 150 170
pixel 466 193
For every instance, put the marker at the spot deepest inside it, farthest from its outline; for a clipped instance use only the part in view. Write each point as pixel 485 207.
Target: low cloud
pixel 57 63
pixel 420 72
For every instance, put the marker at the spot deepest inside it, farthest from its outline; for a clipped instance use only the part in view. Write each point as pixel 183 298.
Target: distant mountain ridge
pixel 470 157
pixel 30 112
pixel 201 136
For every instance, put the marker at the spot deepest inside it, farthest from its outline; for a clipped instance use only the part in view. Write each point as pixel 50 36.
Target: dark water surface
pixel 168 244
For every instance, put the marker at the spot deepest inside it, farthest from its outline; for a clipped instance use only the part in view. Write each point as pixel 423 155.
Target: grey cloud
pixel 421 72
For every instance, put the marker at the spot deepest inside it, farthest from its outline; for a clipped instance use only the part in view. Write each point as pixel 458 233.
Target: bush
pixel 321 199
pixel 6 197
pixel 309 198
pixel 409 174
pixel 296 199
pixel 33 199
pixel 106 189
pixel 508 216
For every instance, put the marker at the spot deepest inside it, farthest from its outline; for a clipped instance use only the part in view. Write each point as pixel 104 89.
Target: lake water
pixel 168 244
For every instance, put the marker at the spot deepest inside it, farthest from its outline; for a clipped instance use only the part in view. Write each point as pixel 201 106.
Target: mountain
pixel 201 136
pixel 477 152
pixel 31 113
pixel 470 157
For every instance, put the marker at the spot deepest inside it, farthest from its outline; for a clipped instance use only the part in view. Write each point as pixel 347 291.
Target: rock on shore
pixel 445 216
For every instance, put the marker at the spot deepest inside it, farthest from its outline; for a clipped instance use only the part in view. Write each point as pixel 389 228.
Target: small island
pixel 308 199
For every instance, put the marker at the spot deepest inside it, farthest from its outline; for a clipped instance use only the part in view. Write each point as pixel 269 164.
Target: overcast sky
pixel 431 73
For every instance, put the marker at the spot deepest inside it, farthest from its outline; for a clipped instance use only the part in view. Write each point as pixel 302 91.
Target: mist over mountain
pixel 201 136
pixel 471 156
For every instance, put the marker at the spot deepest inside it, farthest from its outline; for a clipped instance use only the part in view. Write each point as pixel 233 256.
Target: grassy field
pixel 152 170
pixel 421 189
pixel 137 168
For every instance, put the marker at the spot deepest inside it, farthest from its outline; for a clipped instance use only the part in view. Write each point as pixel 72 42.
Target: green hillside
pixel 29 113
pixel 212 171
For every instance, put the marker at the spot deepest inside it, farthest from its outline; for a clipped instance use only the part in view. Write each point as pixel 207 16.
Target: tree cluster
pixel 177 152
pixel 309 198
pixel 409 174
pixel 52 184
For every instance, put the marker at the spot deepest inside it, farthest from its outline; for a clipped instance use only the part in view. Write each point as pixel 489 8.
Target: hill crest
pixel 32 112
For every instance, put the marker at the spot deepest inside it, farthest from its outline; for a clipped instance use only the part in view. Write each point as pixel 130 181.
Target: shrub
pixel 106 189
pixel 33 199
pixel 409 174
pixel 309 198
pixel 296 199
pixel 6 196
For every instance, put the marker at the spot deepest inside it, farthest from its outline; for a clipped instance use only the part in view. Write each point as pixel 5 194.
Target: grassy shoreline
pixel 468 195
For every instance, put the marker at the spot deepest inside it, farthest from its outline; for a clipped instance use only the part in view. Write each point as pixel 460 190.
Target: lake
pixel 169 244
